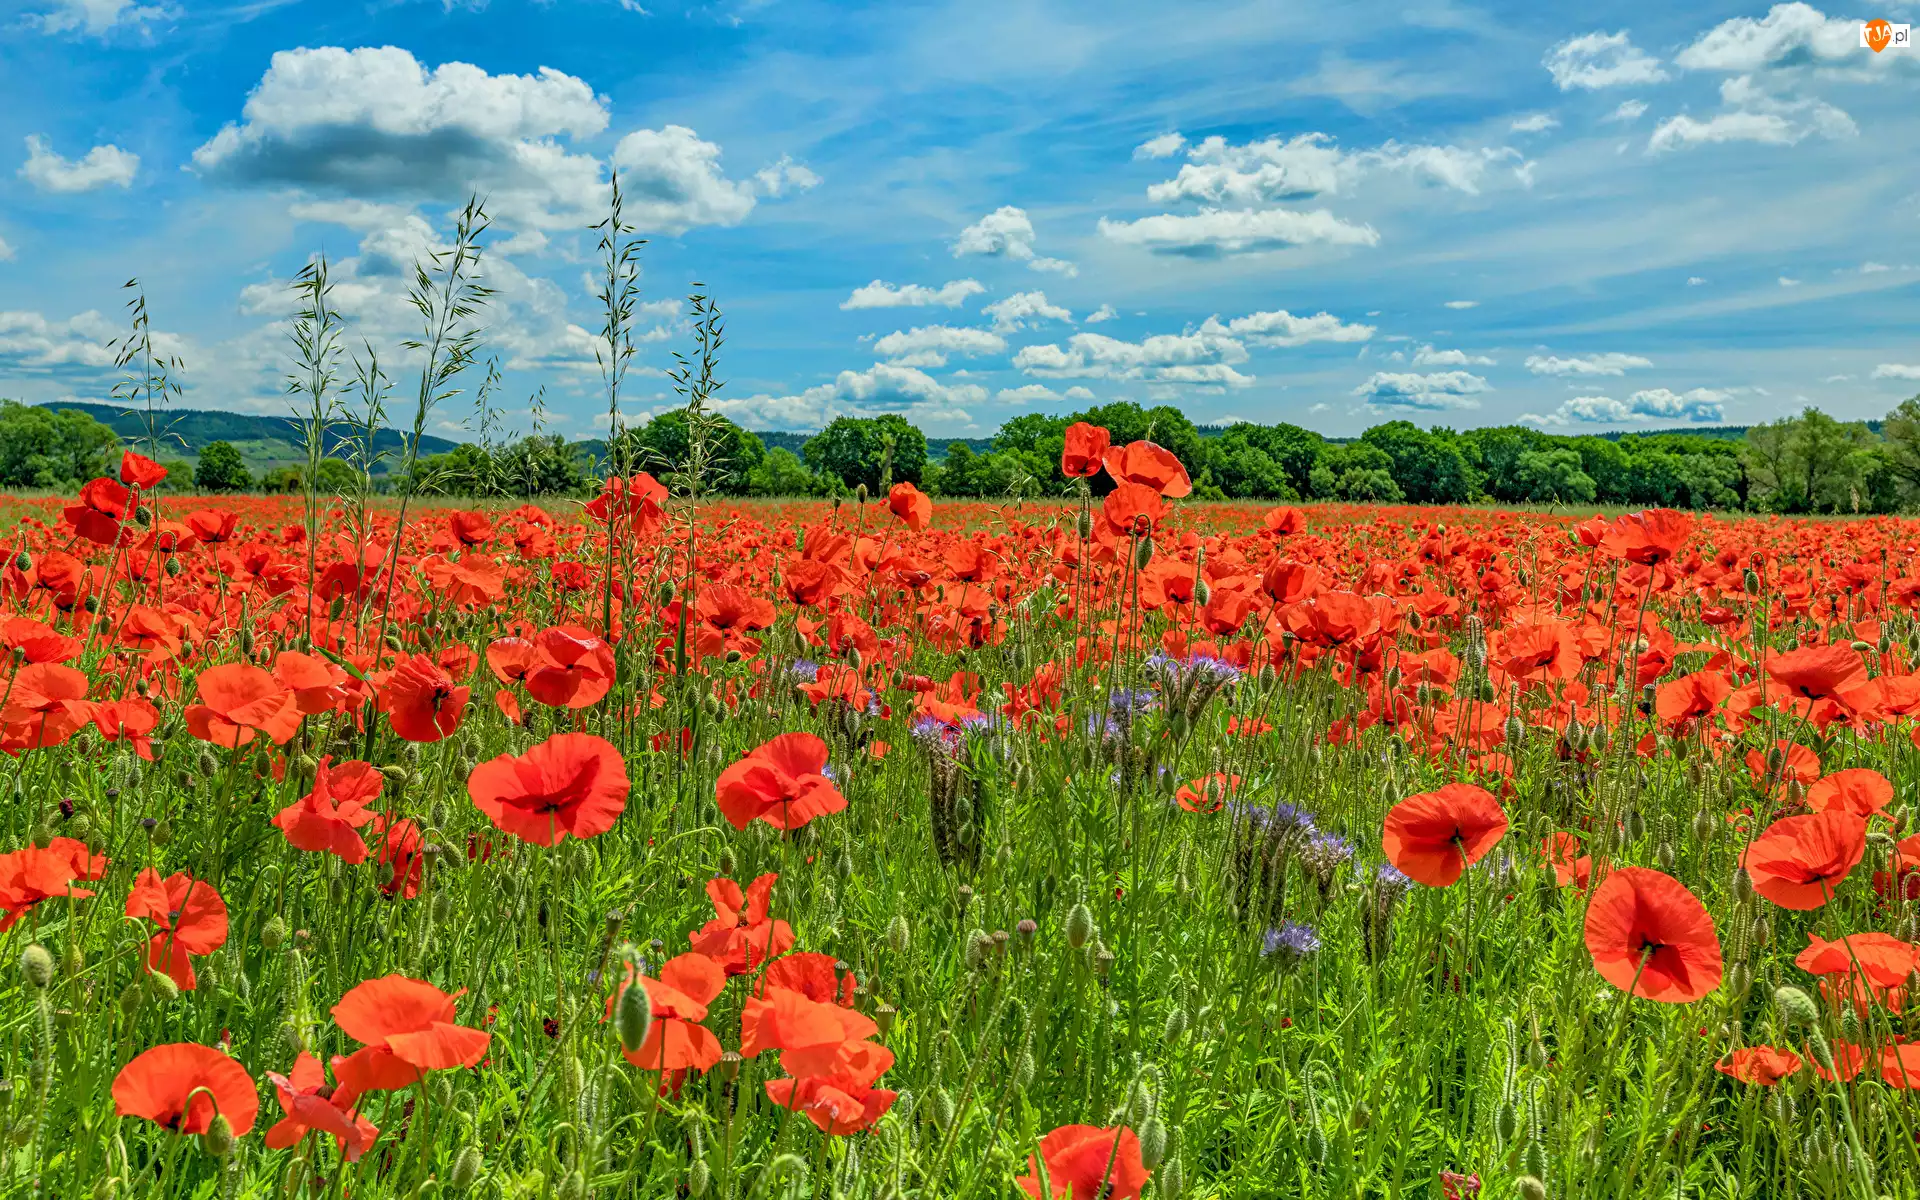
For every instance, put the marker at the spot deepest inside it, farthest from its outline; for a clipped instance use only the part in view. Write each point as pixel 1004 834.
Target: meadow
pixel 1110 847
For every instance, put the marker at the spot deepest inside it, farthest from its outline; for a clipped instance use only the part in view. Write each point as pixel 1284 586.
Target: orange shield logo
pixel 1879 33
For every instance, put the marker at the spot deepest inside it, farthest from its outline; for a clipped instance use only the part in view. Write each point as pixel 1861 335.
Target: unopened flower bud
pixel 899 937
pixel 1079 928
pixel 218 1139
pixel 37 965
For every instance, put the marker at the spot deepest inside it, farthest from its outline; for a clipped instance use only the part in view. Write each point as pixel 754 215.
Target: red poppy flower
pixel 1816 672
pixel 328 818
pixel 510 658
pixel 1085 1162
pixel 1681 702
pixel 470 528
pixel 1435 836
pixel 1281 522
pixel 1570 867
pixel 911 505
pixel 1647 932
pixel 139 471
pixel 32 875
pixel 1799 861
pixel 1884 959
pixel 421 702
pixel 310 1106
pixel 1762 1065
pixel 183 1085
pixel 131 720
pixel 1086 445
pixel 1132 508
pixel 1148 465
pixel 1858 790
pixel 192 919
pixel 809 582
pixel 572 783
pixel 676 1041
pixel 212 526
pixel 407 1027
pixel 104 503
pixel 782 782
pixel 783 1019
pixel 573 667
pixel 238 700
pixel 402 848
pixel 1900 1065
pixel 838 1104
pixel 1651 537
pixel 639 498
pixel 1207 794
pixel 741 936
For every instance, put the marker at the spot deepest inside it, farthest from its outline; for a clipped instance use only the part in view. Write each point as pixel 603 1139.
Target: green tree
pixel 1550 476
pixel 1427 465
pixel 869 450
pixel 540 466
pixel 660 446
pixel 781 473
pixel 1900 433
pixel 221 469
pixel 48 448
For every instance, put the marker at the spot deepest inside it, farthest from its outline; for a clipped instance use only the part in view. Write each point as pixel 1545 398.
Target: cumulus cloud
pixel 676 179
pixel 883 388
pixel 929 345
pixel 1206 356
pixel 1601 60
pixel 1030 393
pixel 1463 304
pixel 1535 123
pixel 1220 172
pixel 1789 35
pixel 1282 328
pixel 1104 313
pixel 1022 309
pixel 1007 232
pixel 1212 232
pixel 1430 392
pixel 880 294
pixel 1699 406
pixel 6 251
pixel 96 17
pixel 1896 371
pixel 1629 110
pixel 1165 146
pixel 1427 356
pixel 102 166
pixel 33 345
pixel 1611 363
pixel 1754 115
pixel 785 176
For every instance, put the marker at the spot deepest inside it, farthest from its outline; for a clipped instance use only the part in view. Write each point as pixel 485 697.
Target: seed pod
pixel 1796 1007
pixel 883 1018
pixel 1079 927
pixel 37 965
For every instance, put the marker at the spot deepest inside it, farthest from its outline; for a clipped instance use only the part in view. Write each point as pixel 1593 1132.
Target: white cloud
pixel 1896 371
pixel 1076 392
pixel 1310 164
pixel 1205 356
pixel 1789 35
pixel 1695 280
pixel 102 166
pixel 1282 328
pixel 929 345
pixel 1611 363
pixel 1463 304
pixel 1699 406
pixel 879 294
pixel 1786 282
pixel 1535 123
pixel 1236 231
pixel 1427 356
pixel 6 251
pixel 97 17
pixel 1754 115
pixel 1601 60
pixel 883 388
pixel 1007 232
pixel 1873 268
pixel 1431 392
pixel 1030 393
pixel 1022 309
pixel 1165 146
pixel 785 176
pixel 31 344
pixel 1104 313
pixel 1629 110
pixel 674 181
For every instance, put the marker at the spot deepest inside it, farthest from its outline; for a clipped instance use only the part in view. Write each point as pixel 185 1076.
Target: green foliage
pixel 221 469
pixel 875 451
pixel 660 446
pixel 780 473
pixel 1814 463
pixel 531 466
pixel 335 478
pixel 49 448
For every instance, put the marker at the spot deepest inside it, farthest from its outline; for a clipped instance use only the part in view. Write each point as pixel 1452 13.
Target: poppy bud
pixel 698 1178
pixel 1023 1069
pixel 92 604
pixel 1172 1180
pixel 218 1139
pixel 1796 1007
pixel 173 567
pixel 23 561
pixel 1850 1024
pixel 37 965
pixel 979 946
pixel 883 1015
pixel 1702 825
pixel 1202 592
pixel 1143 554
pixel 1316 1143
pixel 633 1018
pixel 1597 738
pixel 1742 886
pixel 1529 1187
pixel 72 962
pixel 466 1169
pixel 1176 1025
pixel 573 1187
pixel 1153 1142
pixel 860 493
pixel 273 934
pixel 1516 734
pixel 1636 824
pixel 899 937
pixel 940 1105
pixel 1079 928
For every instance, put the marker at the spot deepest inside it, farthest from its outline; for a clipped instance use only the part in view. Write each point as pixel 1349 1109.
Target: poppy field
pixel 1117 846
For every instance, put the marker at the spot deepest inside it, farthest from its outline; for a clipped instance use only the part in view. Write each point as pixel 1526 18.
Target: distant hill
pixel 264 442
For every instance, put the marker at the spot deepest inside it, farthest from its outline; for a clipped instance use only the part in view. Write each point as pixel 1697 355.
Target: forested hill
pixel 188 431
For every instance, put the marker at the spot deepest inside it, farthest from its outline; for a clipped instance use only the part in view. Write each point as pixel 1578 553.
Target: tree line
pixel 1808 463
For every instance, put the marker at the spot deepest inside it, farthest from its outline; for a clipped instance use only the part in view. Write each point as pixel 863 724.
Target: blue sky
pixel 1585 217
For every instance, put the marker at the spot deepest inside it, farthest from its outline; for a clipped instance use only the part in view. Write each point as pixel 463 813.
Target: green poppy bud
pixel 633 1018
pixel 899 937
pixel 1079 926
pixel 466 1169
pixel 218 1139
pixel 37 965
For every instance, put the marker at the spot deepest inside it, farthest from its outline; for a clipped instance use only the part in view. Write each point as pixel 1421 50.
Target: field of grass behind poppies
pixel 1116 846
